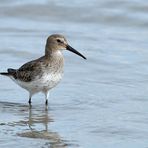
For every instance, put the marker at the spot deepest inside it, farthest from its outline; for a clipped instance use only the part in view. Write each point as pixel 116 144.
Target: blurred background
pixel 101 102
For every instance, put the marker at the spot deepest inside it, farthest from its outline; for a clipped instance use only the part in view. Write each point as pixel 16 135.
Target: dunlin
pixel 43 74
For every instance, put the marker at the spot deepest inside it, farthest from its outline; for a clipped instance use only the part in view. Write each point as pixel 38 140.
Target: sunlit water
pixel 101 102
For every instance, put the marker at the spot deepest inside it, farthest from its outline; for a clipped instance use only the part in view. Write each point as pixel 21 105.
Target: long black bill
pixel 75 51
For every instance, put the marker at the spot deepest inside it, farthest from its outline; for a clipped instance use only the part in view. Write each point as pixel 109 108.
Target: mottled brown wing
pixel 29 71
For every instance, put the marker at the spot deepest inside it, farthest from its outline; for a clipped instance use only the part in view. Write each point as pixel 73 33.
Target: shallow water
pixel 101 102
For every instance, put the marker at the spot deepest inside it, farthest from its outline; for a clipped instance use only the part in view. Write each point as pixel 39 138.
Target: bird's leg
pixel 46 98
pixel 30 95
pixel 46 102
pixel 29 101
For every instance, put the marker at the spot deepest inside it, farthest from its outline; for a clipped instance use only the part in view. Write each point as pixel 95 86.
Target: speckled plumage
pixel 43 74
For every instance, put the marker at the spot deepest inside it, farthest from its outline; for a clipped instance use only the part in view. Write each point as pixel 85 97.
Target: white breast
pixel 45 83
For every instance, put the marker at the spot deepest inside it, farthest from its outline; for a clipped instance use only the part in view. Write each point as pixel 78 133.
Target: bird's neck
pixel 48 52
pixel 52 53
pixel 55 58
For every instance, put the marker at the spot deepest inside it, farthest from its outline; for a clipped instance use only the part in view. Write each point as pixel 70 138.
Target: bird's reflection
pixel 33 123
pixel 44 118
pixel 40 119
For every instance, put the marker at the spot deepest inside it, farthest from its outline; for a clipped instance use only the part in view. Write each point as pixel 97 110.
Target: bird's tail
pixel 4 73
pixel 9 73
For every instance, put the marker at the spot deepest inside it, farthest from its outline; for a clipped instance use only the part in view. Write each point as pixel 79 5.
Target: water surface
pixel 101 102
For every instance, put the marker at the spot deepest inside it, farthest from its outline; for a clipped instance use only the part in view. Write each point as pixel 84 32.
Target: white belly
pixel 45 83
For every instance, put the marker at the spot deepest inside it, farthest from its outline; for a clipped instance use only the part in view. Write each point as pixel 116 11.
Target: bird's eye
pixel 59 41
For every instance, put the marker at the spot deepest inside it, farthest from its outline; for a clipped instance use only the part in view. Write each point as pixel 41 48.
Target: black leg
pixel 46 102
pixel 29 101
pixel 46 97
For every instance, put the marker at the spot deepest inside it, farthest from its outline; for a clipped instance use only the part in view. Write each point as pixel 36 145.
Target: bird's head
pixel 57 42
